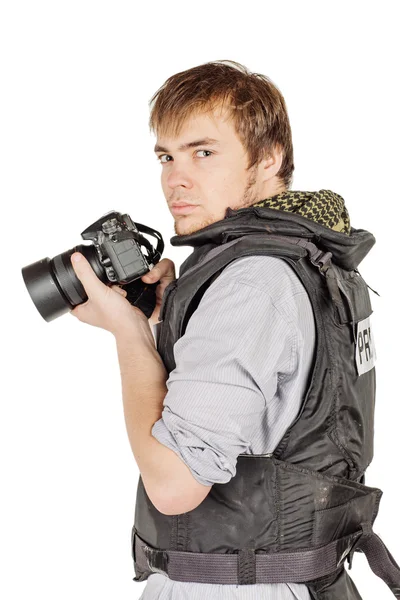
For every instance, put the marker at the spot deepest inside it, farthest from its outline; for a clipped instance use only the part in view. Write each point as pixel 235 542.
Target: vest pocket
pixel 353 428
pixel 315 508
pixel 339 521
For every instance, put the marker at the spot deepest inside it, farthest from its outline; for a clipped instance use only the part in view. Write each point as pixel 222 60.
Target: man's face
pixel 207 175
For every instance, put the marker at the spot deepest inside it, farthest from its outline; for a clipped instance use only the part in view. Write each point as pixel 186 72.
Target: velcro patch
pixel 365 347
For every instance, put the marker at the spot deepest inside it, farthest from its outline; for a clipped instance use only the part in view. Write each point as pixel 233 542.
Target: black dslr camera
pixel 116 258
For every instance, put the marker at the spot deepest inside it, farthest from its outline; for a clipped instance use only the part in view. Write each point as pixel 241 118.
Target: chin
pixel 186 227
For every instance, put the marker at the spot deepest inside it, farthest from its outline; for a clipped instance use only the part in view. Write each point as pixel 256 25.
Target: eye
pixel 161 156
pixel 209 152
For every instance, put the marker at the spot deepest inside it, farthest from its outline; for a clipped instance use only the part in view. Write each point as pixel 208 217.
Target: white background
pixel 76 78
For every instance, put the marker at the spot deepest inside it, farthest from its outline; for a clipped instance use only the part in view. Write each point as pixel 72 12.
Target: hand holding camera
pixel 106 306
pixel 115 258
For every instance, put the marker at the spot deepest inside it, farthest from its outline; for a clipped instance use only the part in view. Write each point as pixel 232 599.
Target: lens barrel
pixel 53 285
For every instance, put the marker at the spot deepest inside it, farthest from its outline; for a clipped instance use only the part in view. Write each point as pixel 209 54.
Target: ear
pixel 271 163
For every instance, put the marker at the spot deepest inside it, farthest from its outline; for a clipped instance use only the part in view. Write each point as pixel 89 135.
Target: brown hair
pixel 254 103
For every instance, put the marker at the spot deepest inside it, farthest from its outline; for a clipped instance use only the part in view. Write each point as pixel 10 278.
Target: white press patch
pixel 365 347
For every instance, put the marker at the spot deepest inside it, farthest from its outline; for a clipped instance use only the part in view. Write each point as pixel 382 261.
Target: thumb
pixel 85 274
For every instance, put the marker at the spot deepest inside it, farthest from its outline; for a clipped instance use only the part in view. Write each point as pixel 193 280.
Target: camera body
pixel 115 256
pixel 116 239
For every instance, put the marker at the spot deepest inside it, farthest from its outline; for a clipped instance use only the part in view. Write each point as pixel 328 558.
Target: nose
pixel 178 175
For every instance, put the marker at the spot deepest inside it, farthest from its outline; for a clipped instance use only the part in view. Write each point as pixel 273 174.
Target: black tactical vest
pixel 297 514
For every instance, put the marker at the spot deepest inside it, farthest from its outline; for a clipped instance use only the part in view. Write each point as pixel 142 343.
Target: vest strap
pixel 317 257
pixel 380 560
pixel 322 260
pixel 247 567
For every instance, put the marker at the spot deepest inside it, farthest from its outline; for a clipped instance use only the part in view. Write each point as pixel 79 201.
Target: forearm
pixel 143 380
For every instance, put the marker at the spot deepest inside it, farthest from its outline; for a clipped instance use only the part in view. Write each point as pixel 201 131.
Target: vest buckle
pixel 320 259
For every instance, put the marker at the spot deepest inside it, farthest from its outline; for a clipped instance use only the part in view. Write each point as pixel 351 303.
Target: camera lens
pixel 53 285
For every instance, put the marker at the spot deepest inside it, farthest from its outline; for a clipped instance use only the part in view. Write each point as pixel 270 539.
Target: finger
pixel 165 269
pixel 121 291
pixel 86 275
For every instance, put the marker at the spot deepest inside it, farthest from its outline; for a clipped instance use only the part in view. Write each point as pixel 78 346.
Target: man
pixel 239 372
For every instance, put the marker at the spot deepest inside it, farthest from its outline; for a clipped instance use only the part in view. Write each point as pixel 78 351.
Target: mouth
pixel 182 209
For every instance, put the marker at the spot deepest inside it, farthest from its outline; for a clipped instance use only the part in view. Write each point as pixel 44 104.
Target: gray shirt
pixel 241 372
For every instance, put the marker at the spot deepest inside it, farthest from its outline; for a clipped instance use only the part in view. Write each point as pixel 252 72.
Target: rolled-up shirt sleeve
pixel 222 381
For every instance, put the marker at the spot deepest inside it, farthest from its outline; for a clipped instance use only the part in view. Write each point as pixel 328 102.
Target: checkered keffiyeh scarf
pixel 323 207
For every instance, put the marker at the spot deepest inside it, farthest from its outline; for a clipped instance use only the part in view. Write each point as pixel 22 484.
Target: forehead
pixel 216 124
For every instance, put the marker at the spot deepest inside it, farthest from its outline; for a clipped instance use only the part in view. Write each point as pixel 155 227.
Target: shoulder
pixel 270 275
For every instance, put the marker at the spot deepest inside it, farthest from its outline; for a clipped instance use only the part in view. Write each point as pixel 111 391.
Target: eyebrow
pixel 204 142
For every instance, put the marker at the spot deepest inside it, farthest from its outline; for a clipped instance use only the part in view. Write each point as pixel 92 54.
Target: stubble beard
pixel 249 198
